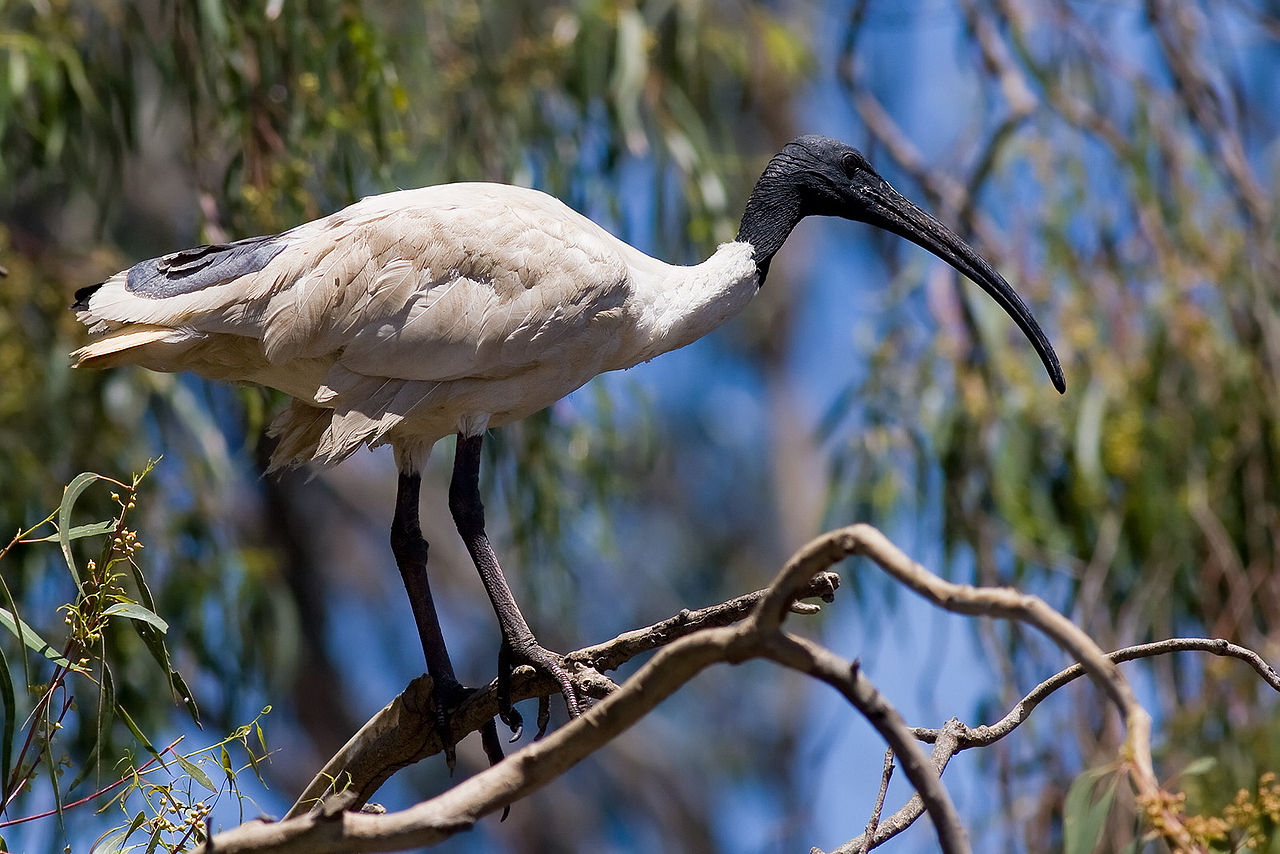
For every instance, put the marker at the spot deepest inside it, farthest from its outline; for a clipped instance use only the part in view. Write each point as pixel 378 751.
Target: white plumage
pixel 416 314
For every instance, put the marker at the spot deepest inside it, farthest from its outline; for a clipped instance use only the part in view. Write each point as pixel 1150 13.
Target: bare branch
pixel 403 732
pixel 694 642
pixel 983 736
pixel 869 834
pixel 946 746
pixel 808 657
pixel 992 602
pixel 955 736
pixel 332 827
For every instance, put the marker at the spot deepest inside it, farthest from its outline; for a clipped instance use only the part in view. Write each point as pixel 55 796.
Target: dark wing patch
pixel 201 267
pixel 83 295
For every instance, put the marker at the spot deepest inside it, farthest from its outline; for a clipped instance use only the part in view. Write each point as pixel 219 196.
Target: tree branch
pixel 955 736
pixel 686 644
pixel 403 732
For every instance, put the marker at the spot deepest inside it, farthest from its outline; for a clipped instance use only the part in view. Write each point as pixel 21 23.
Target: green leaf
pixel 80 531
pixel 134 611
pixel 137 733
pixel 113 844
pixel 10 718
pixel 8 599
pixel 227 768
pixel 69 496
pixel 154 842
pixel 179 686
pixel 136 823
pixel 195 773
pixel 1199 767
pixel 102 724
pixel 1083 818
pixel 253 763
pixel 29 637
pixel 144 592
pixel 52 768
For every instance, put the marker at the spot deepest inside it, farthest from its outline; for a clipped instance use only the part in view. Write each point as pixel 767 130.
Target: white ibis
pixel 451 309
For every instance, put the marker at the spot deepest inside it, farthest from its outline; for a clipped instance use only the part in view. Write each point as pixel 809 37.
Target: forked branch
pixel 735 631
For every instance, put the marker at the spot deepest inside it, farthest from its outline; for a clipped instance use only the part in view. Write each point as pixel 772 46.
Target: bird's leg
pixel 518 643
pixel 410 550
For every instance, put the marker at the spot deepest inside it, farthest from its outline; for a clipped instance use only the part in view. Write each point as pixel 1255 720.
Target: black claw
pixel 544 716
pixel 506 710
pixel 448 696
pixel 545 662
pixel 515 722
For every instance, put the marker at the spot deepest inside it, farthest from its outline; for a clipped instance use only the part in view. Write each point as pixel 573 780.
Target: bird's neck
pixel 772 212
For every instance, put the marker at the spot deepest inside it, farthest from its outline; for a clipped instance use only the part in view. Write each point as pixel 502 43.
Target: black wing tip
pixel 83 296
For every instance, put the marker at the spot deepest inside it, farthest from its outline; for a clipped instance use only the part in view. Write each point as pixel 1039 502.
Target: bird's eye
pixel 853 164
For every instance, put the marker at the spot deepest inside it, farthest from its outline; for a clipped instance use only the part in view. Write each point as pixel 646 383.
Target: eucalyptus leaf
pixel 1083 816
pixel 196 773
pixel 134 611
pixel 93 529
pixel 72 492
pixel 29 637
pixel 10 716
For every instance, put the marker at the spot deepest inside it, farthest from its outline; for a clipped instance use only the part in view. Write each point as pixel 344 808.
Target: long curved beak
pixel 886 208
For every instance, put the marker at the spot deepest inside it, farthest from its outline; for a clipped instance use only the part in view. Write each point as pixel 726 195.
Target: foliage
pixel 1115 161
pixel 133 128
pixel 1119 168
pixel 108 622
pixel 175 811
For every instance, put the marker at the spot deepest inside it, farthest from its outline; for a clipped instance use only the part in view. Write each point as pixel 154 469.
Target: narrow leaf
pixel 1198 767
pixel 253 763
pixel 195 773
pixel 26 667
pixel 134 611
pixel 52 768
pixel 155 839
pixel 10 717
pixel 184 693
pixel 1083 818
pixel 136 823
pixel 144 592
pixel 137 733
pixel 102 725
pixel 112 844
pixel 29 637
pixel 80 531
pixel 78 485
pixel 225 759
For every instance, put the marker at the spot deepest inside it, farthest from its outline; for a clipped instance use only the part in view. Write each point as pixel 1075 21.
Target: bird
pixel 418 314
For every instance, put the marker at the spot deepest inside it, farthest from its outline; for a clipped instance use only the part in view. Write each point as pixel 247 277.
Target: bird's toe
pixel 544 662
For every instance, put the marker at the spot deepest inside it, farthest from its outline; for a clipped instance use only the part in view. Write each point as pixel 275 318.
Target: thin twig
pixel 955 736
pixel 869 834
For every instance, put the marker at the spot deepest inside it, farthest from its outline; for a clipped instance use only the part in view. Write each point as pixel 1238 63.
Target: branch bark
pixel 741 629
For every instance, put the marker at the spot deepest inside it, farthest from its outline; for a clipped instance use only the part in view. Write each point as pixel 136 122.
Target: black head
pixel 818 176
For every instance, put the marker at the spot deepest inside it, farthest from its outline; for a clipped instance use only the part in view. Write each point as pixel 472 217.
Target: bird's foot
pixel 543 661
pixel 449 695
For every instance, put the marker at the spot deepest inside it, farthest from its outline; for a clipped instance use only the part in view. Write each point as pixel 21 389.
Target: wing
pixel 461 280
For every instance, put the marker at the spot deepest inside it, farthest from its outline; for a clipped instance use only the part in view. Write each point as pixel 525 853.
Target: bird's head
pixel 818 176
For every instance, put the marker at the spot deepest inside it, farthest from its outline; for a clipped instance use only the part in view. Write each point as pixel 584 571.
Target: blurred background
pixel 1115 160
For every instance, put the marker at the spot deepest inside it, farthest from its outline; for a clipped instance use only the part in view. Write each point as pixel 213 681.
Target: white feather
pixel 415 314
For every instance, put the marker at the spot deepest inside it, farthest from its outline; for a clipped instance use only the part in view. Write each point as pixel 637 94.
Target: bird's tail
pixel 112 348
